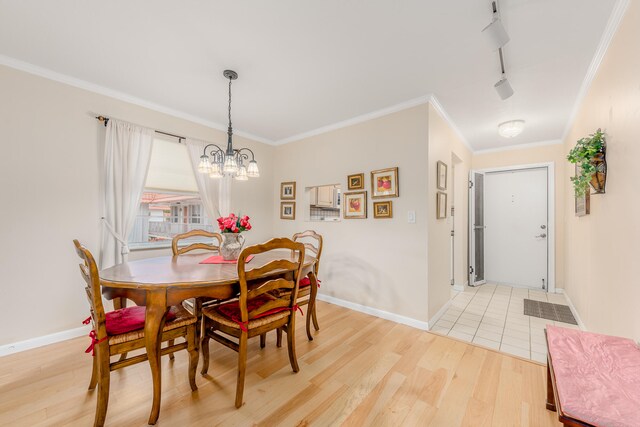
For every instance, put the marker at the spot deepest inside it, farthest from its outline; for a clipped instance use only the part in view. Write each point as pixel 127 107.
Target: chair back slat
pixel 198 245
pixel 273 304
pixel 315 248
pixel 288 285
pixel 89 272
pixel 271 285
pixel 271 266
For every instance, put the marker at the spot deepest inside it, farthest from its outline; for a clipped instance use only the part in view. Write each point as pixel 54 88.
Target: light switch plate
pixel 411 217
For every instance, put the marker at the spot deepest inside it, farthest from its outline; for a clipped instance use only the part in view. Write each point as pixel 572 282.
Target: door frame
pixel 551 218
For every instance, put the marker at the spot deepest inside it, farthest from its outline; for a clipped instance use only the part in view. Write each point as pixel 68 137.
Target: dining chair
pixel 195 305
pixel 307 293
pixel 259 308
pixel 121 331
pixel 196 245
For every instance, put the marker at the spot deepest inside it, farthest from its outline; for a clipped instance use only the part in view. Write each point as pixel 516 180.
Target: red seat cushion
pixel 304 282
pixel 129 319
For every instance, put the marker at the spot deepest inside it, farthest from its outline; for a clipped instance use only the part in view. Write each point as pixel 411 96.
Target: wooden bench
pixel 592 379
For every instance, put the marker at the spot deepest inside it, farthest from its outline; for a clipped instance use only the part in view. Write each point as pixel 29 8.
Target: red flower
pixel 234 224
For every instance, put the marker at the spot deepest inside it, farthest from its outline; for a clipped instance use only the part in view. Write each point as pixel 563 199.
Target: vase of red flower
pixel 232 240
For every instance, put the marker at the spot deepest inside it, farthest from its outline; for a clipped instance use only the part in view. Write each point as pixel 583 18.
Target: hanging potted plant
pixel 591 165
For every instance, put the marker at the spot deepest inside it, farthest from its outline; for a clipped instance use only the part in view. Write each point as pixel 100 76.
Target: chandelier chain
pixel 229 103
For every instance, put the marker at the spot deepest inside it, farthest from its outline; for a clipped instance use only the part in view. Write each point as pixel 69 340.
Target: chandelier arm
pixel 253 157
pixel 213 152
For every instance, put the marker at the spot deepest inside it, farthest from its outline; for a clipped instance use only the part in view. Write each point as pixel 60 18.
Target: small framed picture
pixel 287 210
pixel 288 190
pixel 441 179
pixel 355 182
pixel 355 205
pixel 383 209
pixel 441 205
pixel 384 183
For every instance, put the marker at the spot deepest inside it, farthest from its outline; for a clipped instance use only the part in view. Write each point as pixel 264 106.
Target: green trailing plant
pixel 583 155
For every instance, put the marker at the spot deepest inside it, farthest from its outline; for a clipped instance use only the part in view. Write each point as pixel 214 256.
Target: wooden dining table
pixel 158 283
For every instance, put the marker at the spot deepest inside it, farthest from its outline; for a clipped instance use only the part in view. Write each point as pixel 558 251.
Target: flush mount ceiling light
pixel 511 129
pixel 229 162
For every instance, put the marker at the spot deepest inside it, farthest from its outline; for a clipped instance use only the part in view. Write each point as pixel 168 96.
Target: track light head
pixel 495 34
pixel 503 88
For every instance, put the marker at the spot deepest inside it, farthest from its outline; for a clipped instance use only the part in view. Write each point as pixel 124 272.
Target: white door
pixel 515 236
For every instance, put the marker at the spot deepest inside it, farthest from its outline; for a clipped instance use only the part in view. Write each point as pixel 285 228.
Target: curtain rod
pixel 105 120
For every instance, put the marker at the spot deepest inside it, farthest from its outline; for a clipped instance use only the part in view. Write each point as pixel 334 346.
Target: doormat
pixel 547 310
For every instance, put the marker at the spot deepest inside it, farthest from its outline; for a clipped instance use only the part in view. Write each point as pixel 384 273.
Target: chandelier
pixel 229 162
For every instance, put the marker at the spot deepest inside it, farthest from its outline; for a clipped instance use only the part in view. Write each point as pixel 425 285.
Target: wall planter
pixel 589 156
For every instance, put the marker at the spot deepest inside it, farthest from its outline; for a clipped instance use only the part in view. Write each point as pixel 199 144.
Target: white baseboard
pixel 439 314
pixel 419 324
pixel 43 340
pixel 581 324
pixel 460 288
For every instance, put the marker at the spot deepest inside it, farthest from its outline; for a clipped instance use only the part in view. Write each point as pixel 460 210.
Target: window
pixel 170 203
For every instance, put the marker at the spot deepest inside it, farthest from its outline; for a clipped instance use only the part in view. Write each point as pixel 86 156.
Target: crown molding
pixel 358 119
pixel 436 104
pixel 610 30
pixel 519 146
pixel 121 96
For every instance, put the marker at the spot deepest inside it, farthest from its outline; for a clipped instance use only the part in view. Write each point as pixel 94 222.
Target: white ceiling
pixel 306 64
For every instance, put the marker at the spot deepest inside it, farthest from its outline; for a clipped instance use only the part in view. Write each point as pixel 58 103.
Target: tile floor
pixel 493 316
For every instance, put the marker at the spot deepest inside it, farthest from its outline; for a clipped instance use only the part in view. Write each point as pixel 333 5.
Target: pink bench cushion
pixel 597 376
pixel 129 319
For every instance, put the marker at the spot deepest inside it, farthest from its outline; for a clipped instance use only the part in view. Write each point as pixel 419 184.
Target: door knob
pixel 543 226
pixel 543 235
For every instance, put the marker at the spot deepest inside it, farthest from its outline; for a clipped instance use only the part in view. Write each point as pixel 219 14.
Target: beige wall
pixel 379 263
pixel 443 142
pixel 49 175
pixel 602 248
pixel 551 153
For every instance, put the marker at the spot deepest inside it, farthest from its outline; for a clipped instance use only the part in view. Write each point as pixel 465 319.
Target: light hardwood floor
pixel 359 371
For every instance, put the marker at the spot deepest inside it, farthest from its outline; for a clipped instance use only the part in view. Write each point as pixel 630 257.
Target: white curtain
pixel 215 193
pixel 126 162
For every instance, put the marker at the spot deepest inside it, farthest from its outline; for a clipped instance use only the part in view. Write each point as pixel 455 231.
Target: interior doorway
pixel 511 227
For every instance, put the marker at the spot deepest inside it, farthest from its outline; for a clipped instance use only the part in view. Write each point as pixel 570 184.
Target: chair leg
pixel 94 374
pixel 242 366
pixel 192 348
pixel 315 317
pixel 308 322
pixel 263 340
pixel 103 387
pixel 204 346
pixel 312 302
pixel 279 337
pixel 171 356
pixel 291 343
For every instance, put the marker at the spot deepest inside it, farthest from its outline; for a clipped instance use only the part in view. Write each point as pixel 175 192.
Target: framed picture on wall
pixel 355 205
pixel 287 210
pixel 383 209
pixel 441 205
pixel 441 178
pixel 355 182
pixel 384 183
pixel 288 190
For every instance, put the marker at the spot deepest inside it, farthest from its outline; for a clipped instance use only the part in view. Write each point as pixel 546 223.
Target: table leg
pixel 154 323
